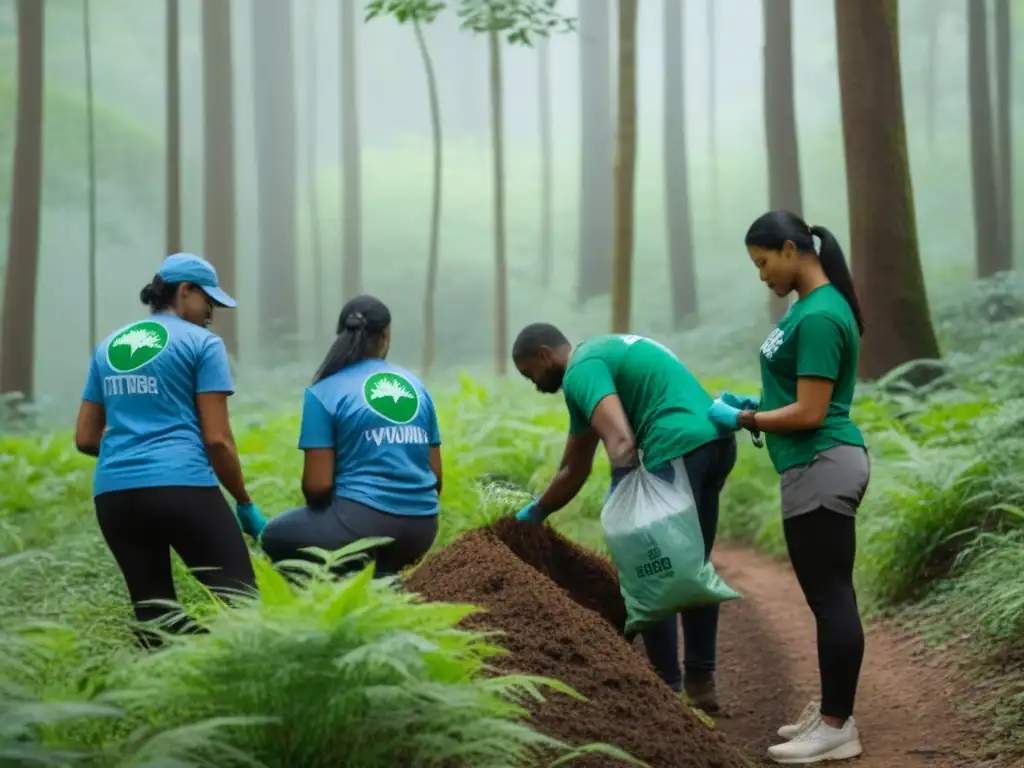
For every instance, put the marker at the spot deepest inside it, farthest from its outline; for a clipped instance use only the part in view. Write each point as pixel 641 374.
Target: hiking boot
pixel 811 711
pixel 702 694
pixel 819 742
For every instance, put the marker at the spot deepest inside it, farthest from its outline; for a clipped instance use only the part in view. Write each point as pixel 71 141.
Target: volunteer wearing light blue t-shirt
pixel 372 452
pixel 154 411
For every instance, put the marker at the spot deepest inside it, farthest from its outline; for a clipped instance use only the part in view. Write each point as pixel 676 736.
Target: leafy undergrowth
pixel 351 672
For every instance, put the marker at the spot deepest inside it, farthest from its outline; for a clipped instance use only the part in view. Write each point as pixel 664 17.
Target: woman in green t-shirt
pixel 808 375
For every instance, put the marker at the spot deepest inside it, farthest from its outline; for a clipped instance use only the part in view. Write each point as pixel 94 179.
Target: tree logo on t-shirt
pixel 136 345
pixel 392 396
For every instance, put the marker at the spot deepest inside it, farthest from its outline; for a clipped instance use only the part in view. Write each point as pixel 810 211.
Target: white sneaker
pixel 811 711
pixel 819 742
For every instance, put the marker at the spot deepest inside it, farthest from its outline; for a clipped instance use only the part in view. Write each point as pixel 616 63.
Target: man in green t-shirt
pixel 635 396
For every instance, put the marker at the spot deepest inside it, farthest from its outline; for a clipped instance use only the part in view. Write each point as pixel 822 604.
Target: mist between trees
pixel 294 145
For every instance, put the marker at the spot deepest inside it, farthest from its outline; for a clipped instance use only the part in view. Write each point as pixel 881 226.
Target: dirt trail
pixel 768 671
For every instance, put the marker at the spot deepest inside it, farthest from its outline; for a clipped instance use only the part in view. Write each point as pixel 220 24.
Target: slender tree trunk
pixel 682 271
pixel 274 102
pixel 90 129
pixel 1004 134
pixel 433 258
pixel 219 158
pixel 500 259
pixel 883 230
pixel 173 130
pixel 351 156
pixel 597 142
pixel 17 346
pixel 780 119
pixel 546 152
pixel 625 168
pixel 986 199
pixel 311 176
pixel 712 42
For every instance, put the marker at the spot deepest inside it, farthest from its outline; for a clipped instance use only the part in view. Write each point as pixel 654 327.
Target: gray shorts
pixel 836 480
pixel 345 522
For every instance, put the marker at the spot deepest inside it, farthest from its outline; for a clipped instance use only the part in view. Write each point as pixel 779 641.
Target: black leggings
pixel 142 526
pixel 822 545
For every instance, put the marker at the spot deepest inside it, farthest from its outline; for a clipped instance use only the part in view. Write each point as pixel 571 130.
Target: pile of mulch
pixel 562 615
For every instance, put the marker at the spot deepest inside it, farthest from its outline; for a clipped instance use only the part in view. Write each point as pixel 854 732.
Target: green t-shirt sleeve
pixel 585 385
pixel 819 347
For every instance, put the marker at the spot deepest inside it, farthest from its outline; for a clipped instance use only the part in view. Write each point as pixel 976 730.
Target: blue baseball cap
pixel 189 268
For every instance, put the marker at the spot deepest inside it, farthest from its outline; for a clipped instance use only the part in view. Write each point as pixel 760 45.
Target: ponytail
pixel 833 263
pixel 361 325
pixel 349 347
pixel 158 295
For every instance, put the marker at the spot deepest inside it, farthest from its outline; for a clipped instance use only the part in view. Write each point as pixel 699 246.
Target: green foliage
pixel 518 20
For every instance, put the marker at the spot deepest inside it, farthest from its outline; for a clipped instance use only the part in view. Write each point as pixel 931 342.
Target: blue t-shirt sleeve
pixel 213 373
pixel 93 391
pixel 317 429
pixel 433 430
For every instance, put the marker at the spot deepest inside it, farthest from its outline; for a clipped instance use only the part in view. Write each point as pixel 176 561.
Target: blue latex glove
pixel 531 513
pixel 251 519
pixel 743 402
pixel 724 416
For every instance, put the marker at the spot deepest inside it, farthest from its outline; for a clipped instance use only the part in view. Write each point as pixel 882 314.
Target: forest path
pixel 768 671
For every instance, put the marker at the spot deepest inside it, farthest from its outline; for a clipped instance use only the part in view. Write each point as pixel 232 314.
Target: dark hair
pixel 360 325
pixel 773 229
pixel 158 295
pixel 533 337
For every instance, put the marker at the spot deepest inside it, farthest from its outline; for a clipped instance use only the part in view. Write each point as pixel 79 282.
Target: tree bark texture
pixel 500 257
pixel 625 169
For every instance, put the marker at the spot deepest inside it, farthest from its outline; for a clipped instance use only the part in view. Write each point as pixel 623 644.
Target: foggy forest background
pixel 303 88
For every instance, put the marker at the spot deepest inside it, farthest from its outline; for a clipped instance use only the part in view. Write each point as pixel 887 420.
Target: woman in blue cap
pixel 154 411
pixel 372 452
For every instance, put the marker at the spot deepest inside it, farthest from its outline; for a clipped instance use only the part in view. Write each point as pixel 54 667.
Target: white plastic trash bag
pixel 653 534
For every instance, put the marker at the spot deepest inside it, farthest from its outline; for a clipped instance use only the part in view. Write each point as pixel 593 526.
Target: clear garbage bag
pixel 653 534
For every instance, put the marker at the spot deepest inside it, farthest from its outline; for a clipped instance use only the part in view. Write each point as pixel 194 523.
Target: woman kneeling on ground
pixel 372 452
pixel 155 412
pixel 808 376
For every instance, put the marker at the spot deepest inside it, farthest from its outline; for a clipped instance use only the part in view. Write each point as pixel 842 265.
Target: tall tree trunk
pixel 883 230
pixel 597 142
pixel 90 129
pixel 500 259
pixel 173 130
pixel 780 119
pixel 712 42
pixel 546 195
pixel 274 101
pixel 351 156
pixel 1004 134
pixel 311 176
pixel 219 158
pixel 17 346
pixel 625 168
pixel 983 172
pixel 433 258
pixel 682 271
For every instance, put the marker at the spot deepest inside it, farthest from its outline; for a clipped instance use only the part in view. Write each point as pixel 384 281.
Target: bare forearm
pixel 791 418
pixel 562 490
pixel 622 453
pixel 228 468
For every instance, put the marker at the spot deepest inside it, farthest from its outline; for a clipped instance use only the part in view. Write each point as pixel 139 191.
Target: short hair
pixel 534 336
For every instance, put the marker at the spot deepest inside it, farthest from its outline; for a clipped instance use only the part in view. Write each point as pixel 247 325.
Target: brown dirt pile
pixel 534 584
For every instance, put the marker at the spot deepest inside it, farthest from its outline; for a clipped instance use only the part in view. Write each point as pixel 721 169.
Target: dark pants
pixel 142 526
pixel 707 468
pixel 822 546
pixel 345 522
